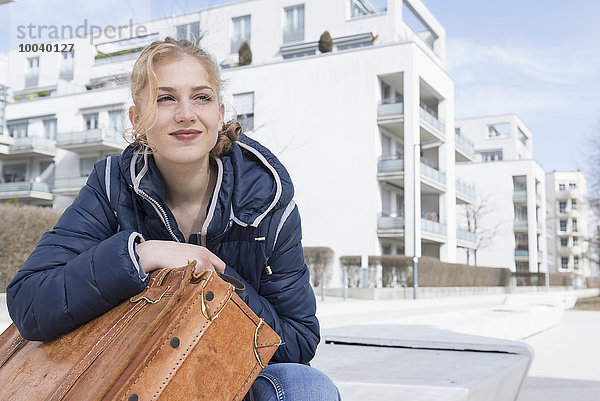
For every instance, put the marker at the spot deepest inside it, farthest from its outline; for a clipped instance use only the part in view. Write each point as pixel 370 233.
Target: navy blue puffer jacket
pixel 87 264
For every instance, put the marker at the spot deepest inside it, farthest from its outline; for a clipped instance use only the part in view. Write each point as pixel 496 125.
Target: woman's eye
pixel 164 98
pixel 203 97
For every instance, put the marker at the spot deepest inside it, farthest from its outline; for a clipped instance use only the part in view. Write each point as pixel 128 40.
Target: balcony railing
pixel 33 142
pixel 466 235
pixel 521 252
pixel 389 223
pixel 540 255
pixel 433 173
pixel 25 186
pixel 293 36
pixel 539 225
pixel 91 135
pixel 520 223
pixel 465 188
pixel 538 197
pixel 69 182
pixel 390 109
pixel 464 143
pixel 433 227
pixel 432 120
pixel 390 165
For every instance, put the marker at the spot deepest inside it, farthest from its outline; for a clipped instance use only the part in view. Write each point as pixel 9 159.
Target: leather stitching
pixel 74 372
pixel 161 347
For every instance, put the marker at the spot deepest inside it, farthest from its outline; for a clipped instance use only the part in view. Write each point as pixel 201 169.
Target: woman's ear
pixel 133 116
pixel 221 116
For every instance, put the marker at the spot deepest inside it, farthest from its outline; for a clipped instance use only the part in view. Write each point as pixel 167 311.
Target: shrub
pixel 319 259
pixel 245 54
pixel 325 42
pixel 20 229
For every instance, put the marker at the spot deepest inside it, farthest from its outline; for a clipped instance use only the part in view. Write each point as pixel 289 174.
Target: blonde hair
pixel 143 75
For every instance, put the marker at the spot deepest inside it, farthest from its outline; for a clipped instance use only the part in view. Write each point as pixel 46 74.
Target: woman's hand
pixel 156 254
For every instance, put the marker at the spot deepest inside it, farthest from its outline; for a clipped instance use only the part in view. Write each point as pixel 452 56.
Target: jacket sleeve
pixel 80 269
pixel 285 299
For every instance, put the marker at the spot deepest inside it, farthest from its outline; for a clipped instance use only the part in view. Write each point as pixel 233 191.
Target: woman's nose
pixel 185 112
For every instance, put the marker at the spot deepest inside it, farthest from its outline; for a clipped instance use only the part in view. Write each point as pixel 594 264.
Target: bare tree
pixel 478 222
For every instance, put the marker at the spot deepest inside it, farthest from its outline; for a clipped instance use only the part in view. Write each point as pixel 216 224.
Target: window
pixel 386 147
pixel 66 66
pixel 14 172
pixel 457 131
pixel 50 128
pixel 575 241
pixel 576 262
pixel 522 267
pixel 47 171
pixel 562 207
pixel 386 93
pixel 492 156
pixel 572 185
pixel 561 187
pixel 564 242
pixel 91 121
pixel 241 32
pixel 244 105
pixel 293 30
pixel 386 207
pixel 359 8
pixel 563 225
pixel 18 130
pixel 386 249
pixel 573 204
pixel 496 130
pixel 33 68
pixel 564 263
pixel 115 118
pixel 86 165
pixel 190 32
pixel 574 225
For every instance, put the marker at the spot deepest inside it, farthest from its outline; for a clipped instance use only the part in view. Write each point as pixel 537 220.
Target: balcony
pixel 391 115
pixel 466 239
pixel 465 149
pixel 68 185
pixel 390 165
pixel 520 225
pixel 432 124
pixel 540 256
pixel 93 140
pixel 27 192
pixel 5 142
pixel 390 226
pixel 433 227
pixel 539 226
pixel 520 195
pixel 522 254
pixel 465 193
pixel 31 147
pixel 433 178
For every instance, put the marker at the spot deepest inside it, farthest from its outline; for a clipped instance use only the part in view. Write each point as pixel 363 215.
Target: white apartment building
pixel 366 131
pixel 512 187
pixel 571 223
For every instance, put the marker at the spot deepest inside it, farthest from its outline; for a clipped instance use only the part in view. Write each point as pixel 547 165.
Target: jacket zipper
pixel 162 211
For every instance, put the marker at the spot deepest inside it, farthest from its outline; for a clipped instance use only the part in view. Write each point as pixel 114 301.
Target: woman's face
pixel 188 113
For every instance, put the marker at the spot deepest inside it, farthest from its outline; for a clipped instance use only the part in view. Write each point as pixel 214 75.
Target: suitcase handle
pixel 238 286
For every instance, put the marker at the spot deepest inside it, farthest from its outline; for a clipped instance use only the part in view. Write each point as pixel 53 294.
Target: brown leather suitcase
pixel 185 337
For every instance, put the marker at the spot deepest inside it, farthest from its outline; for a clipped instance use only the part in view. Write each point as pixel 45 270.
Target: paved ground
pixel 567 360
pixel 567 357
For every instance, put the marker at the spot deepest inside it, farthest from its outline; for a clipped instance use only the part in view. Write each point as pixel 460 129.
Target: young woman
pixel 189 188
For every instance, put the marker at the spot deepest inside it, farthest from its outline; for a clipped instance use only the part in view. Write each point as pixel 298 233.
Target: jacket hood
pixel 251 182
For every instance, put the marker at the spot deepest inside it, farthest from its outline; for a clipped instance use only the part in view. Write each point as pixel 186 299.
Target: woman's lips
pixel 186 135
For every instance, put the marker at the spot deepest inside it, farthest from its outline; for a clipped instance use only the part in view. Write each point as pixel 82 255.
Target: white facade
pixel 366 131
pixel 515 194
pixel 503 137
pixel 571 223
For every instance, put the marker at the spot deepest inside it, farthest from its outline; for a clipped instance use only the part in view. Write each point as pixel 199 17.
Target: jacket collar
pixel 250 183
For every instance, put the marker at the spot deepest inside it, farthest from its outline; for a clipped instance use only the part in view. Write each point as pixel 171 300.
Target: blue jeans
pixel 293 382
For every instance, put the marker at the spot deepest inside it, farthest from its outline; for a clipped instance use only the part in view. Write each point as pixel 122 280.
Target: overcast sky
pixel 539 59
